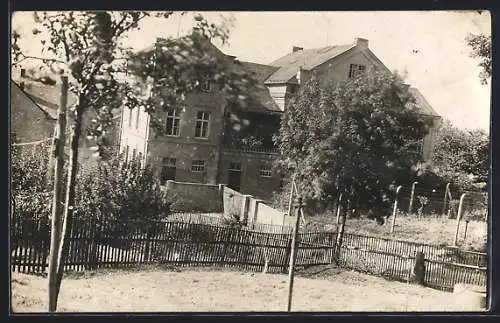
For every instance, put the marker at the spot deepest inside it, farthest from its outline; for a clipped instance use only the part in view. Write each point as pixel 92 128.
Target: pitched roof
pixel 422 103
pixel 44 95
pixel 49 112
pixel 51 115
pixel 260 71
pixel 306 59
pixel 261 96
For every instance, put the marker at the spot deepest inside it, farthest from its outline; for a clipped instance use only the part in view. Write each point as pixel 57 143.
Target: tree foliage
pixel 359 137
pixel 124 196
pixel 30 180
pixel 106 76
pixel 481 50
pixel 460 153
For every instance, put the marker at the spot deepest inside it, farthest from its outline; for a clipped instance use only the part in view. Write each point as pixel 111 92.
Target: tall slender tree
pixel 88 47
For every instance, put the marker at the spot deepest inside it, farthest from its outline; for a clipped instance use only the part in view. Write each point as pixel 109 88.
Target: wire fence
pixel 442 202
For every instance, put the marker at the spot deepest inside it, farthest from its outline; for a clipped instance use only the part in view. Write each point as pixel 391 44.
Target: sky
pixel 428 46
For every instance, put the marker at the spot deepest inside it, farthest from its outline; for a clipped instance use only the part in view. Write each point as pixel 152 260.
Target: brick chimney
pixel 361 43
pixel 296 49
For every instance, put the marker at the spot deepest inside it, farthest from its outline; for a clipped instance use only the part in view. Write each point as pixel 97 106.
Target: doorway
pixel 234 176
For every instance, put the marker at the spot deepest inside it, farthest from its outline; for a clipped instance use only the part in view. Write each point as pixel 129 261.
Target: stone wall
pixel 194 197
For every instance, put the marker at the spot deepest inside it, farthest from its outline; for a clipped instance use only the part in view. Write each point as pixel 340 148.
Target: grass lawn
pixel 429 230
pixel 151 289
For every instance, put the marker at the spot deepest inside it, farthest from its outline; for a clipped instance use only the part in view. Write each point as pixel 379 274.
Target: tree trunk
pixel 57 204
pixel 70 194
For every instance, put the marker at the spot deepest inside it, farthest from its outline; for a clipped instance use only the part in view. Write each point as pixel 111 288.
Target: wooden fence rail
pixel 445 267
pixel 99 244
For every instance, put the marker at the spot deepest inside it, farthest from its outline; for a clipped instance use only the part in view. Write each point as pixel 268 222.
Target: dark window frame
pixel 198 166
pixel 173 123
pixel 202 125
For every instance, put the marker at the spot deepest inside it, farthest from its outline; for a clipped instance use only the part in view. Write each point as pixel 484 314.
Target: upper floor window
pixel 130 118
pixel 265 171
pixel 355 70
pixel 137 118
pixel 206 85
pixel 173 122
pixel 127 148
pixel 198 166
pixel 202 122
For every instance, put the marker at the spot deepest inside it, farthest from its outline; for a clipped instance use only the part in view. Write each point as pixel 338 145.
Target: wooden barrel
pixel 469 296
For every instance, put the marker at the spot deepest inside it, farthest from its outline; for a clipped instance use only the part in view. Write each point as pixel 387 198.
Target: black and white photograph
pixel 249 161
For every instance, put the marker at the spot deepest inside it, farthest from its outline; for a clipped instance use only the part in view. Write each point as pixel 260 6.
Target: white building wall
pixel 134 132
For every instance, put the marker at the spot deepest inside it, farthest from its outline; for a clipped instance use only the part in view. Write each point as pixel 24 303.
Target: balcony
pixel 252 150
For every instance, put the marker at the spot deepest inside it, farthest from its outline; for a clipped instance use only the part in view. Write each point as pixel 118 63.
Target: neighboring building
pixel 30 122
pixel 34 104
pixel 211 141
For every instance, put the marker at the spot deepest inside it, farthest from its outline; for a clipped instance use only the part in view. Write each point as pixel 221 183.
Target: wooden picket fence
pixel 394 259
pixel 98 244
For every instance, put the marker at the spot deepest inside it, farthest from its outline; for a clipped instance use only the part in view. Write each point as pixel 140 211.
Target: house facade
pixel 34 104
pixel 209 140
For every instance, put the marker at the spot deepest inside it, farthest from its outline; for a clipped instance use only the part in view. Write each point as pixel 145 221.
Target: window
pixel 168 169
pixel 130 118
pixel 265 171
pixel 137 118
pixel 202 120
pixel 198 166
pixel 173 122
pixel 134 152
pixel 206 85
pixel 355 70
pixel 126 153
pixel 235 167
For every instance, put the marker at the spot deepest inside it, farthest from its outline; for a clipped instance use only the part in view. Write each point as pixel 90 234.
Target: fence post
pixel 459 217
pixel 293 255
pixel 412 195
pixel 465 232
pixel 244 208
pixel 287 252
pixel 443 211
pixel 395 210
pixel 419 268
pixel 292 190
pixel 339 203
pixel 340 236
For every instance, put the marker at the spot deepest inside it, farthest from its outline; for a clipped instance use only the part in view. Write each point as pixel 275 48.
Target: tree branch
pixel 90 75
pixel 25 57
pixel 65 45
pixel 125 27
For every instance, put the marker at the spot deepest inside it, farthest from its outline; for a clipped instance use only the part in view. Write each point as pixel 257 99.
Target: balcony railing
pixel 252 150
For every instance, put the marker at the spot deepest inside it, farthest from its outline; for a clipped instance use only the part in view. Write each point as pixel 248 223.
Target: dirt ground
pixel 225 290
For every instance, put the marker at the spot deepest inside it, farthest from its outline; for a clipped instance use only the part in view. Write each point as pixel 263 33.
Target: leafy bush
pixel 120 192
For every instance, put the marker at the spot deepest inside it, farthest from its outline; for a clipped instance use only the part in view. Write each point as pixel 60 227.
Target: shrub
pixel 120 193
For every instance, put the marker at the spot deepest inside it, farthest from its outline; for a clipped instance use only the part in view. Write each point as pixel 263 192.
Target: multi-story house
pixel 211 141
